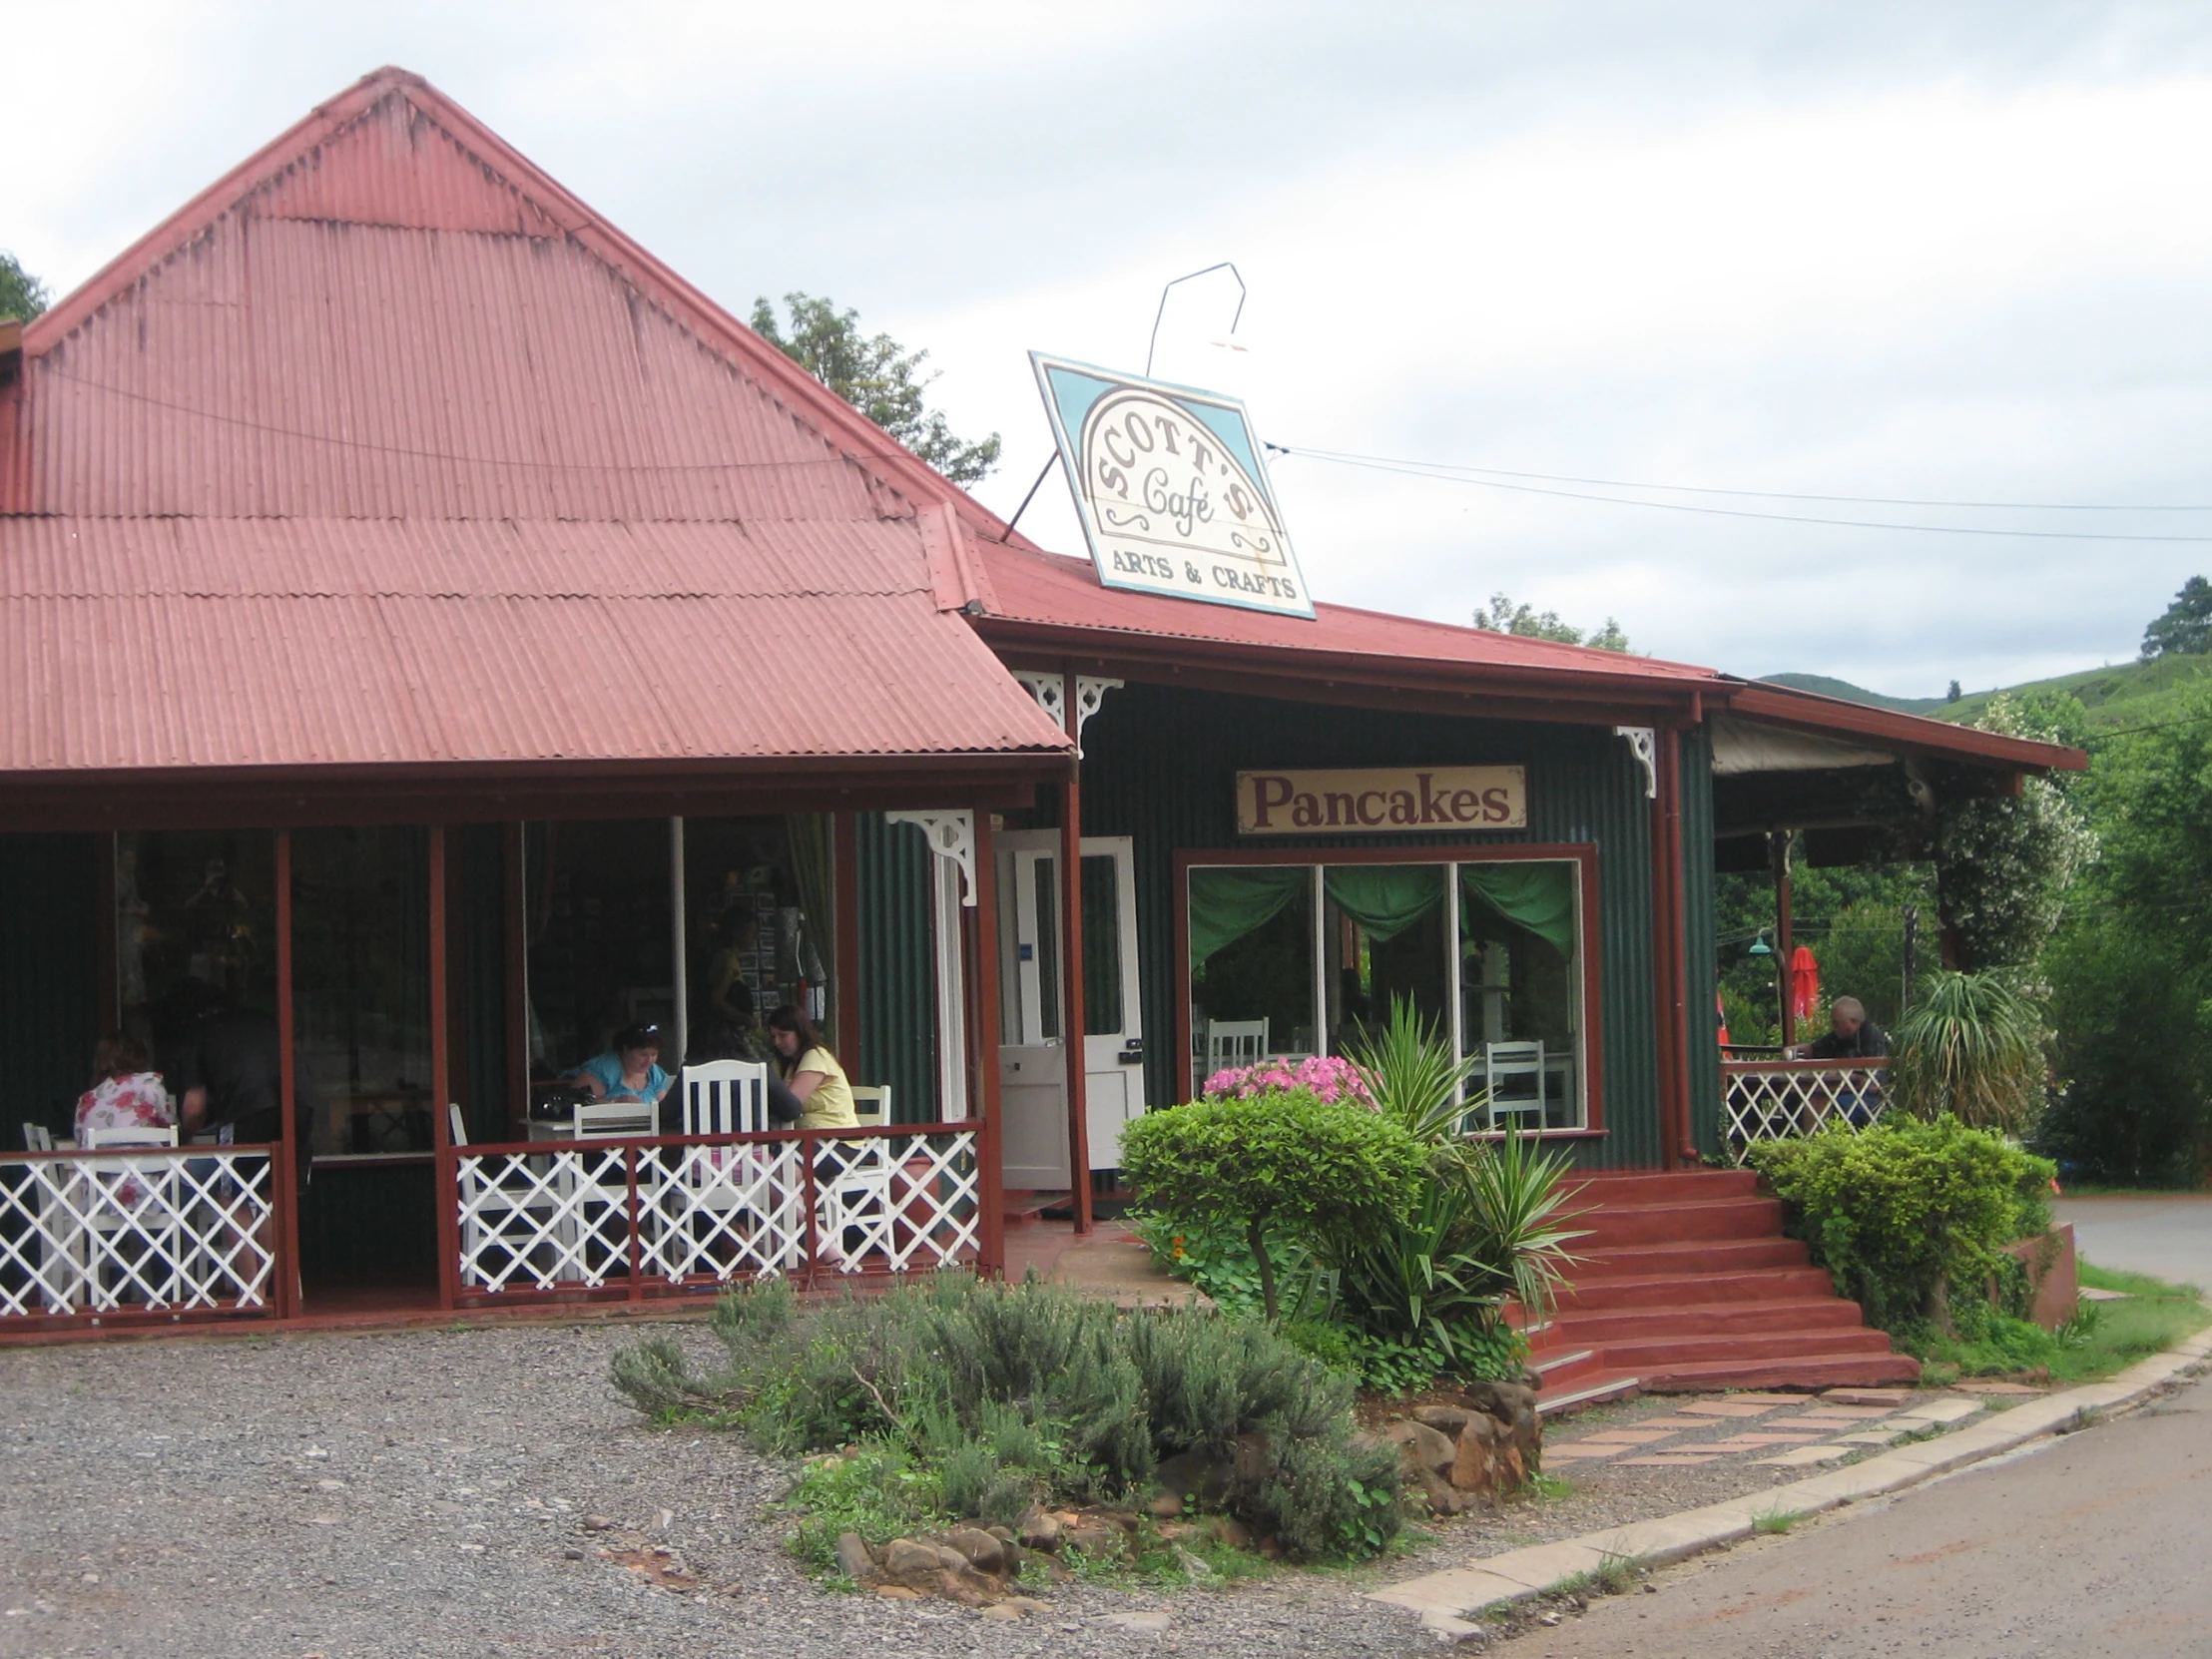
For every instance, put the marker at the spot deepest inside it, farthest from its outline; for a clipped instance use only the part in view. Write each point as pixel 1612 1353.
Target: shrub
pixel 978 1399
pixel 1282 1163
pixel 2134 1051
pixel 1972 1047
pixel 1413 1075
pixel 1906 1213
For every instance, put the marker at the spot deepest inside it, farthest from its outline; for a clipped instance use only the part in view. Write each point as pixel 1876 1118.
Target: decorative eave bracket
pixel 1051 691
pixel 952 835
pixel 1643 743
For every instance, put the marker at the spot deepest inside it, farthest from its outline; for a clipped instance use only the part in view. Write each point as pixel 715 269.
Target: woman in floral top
pixel 126 1093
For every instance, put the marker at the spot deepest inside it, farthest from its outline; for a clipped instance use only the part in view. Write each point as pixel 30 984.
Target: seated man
pixel 1851 1037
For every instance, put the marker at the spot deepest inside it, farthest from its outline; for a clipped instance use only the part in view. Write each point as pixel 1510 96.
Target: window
pixel 1300 959
pixel 196 930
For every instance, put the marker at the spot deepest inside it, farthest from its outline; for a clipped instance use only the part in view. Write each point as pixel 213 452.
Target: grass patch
pixel 2095 1277
pixel 1549 1488
pixel 2103 1337
pixel 1614 1575
pixel 1776 1521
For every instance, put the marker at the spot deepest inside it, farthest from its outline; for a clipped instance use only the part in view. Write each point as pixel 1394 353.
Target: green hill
pixel 2126 694
pixel 2123 694
pixel 1850 693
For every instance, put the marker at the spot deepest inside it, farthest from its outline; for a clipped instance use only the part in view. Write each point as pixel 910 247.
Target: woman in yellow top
pixel 811 1071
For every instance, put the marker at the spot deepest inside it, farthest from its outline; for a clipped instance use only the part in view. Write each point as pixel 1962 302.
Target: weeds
pixel 1775 1522
pixel 1550 1488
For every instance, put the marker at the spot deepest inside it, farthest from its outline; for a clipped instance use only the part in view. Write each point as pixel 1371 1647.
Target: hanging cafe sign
pixel 1382 800
pixel 1171 488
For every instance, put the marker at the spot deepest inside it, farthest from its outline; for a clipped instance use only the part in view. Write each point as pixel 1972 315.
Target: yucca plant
pixel 1487 1223
pixel 1413 1076
pixel 1970 1046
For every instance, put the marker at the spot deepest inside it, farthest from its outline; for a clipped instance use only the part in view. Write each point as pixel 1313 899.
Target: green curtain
pixel 814 866
pixel 1539 895
pixel 1385 900
pixel 1229 900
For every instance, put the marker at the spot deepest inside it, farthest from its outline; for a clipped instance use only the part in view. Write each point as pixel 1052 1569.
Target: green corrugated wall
pixel 49 975
pixel 1159 766
pixel 899 999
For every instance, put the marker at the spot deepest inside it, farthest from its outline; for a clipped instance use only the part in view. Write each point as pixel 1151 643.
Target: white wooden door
pixel 1032 1063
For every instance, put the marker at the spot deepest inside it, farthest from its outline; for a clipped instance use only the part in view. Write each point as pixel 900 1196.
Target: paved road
pixel 2168 1235
pixel 2091 1548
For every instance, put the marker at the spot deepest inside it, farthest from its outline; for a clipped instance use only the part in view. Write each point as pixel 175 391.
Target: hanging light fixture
pixel 1759 946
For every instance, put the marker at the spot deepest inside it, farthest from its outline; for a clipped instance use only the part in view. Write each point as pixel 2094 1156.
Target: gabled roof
pixel 386 451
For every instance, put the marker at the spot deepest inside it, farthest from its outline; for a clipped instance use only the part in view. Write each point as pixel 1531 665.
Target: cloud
pixel 1955 252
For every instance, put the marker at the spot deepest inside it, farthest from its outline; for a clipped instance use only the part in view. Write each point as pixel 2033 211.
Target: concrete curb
pixel 1442 1599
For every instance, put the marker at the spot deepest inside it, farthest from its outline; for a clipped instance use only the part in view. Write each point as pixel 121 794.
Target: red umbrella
pixel 1804 983
pixel 1721 1008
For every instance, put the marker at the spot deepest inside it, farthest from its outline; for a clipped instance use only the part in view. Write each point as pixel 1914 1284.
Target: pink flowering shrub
pixel 1328 1078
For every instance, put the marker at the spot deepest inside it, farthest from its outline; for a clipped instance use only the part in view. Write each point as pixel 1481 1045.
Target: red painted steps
pixel 1686 1284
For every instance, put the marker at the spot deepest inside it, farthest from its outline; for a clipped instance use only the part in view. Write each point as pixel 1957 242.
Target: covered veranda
pixel 433 972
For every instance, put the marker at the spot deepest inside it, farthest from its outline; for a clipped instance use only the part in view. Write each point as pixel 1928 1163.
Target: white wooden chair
pixel 726 1097
pixel 1233 1042
pixel 36 1138
pixel 719 1188
pixel 491 1213
pixel 854 1186
pixel 142 1198
pixel 1514 1075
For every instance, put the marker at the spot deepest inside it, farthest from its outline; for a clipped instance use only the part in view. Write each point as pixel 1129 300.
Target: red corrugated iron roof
pixel 385 450
pixel 1047 602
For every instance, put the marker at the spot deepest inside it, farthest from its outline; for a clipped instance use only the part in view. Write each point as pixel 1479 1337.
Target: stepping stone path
pixel 1776 1429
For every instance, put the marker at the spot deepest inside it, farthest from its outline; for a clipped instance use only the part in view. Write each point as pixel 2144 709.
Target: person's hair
pixel 637 1036
pixel 1851 1006
pixel 119 1054
pixel 789 1018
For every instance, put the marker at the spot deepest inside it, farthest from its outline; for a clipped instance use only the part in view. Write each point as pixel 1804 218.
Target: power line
pixel 408 453
pixel 1773 495
pixel 1419 469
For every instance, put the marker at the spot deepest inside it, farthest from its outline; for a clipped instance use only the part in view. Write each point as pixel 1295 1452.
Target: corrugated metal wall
pixel 1159 766
pixel 48 972
pixel 898 1001
pixel 1700 946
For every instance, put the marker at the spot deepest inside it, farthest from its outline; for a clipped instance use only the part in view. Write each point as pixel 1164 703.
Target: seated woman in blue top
pixel 628 1071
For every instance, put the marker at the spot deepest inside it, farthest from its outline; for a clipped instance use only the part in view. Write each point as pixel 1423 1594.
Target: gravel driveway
pixel 417 1493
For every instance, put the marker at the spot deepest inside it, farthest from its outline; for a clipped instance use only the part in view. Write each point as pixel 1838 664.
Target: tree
pixel 2131 973
pixel 877 376
pixel 1954 694
pixel 2186 627
pixel 1502 616
pixel 2006 865
pixel 20 295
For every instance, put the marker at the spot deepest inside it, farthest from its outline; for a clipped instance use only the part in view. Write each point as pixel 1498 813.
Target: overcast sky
pixel 1952 253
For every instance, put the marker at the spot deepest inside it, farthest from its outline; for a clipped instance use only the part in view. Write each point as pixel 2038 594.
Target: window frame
pixel 1580 853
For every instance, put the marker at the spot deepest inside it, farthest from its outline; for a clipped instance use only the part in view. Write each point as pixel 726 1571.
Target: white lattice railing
pixel 150 1231
pixel 1770 1100
pixel 666 1212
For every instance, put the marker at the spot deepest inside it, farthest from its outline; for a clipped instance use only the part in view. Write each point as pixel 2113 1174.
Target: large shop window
pixel 1301 959
pixel 604 933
